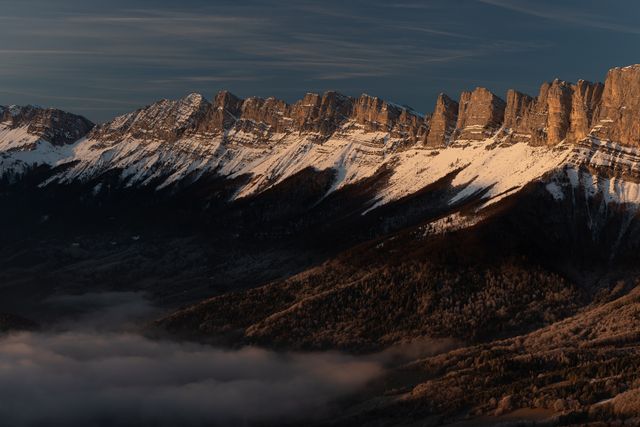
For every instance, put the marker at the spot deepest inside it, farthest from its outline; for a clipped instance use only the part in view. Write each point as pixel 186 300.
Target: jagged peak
pixel 481 92
pixel 526 115
pixel 271 100
pixel 336 94
pixel 628 67
pixel 444 98
pixel 226 93
pixel 480 114
pixel 17 109
pixel 517 93
pixel 385 105
pixel 193 97
pixel 50 124
pixel 227 100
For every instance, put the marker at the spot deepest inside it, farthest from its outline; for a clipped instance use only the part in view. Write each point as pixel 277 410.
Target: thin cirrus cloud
pixel 271 48
pixel 254 44
pixel 568 15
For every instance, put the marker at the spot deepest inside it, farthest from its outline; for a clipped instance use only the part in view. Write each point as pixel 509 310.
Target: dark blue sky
pixel 102 58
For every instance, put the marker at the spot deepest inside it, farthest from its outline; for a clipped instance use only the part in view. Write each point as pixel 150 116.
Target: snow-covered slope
pixel 353 153
pixel 485 166
pixel 32 136
pixel 267 141
pixel 600 169
pixel 21 151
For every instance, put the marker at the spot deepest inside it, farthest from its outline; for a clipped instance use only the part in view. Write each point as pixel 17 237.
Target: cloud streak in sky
pixel 558 13
pixel 148 51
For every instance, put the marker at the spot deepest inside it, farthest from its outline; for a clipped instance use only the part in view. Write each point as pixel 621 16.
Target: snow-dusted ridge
pixel 20 151
pixel 355 154
pixel 266 141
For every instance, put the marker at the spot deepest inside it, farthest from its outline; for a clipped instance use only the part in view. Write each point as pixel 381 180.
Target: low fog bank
pixel 83 378
pixel 90 368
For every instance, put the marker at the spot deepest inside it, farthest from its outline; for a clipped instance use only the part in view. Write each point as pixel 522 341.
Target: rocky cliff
pixel 321 114
pixel 586 98
pixel 166 120
pixel 270 140
pixel 222 114
pixel 618 118
pixel 480 115
pixel 543 120
pixel 518 106
pixel 443 122
pixel 318 116
pixel 377 115
pixel 55 126
pixel 560 111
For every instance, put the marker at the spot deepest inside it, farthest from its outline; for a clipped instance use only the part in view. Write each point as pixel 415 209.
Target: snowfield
pixel 486 166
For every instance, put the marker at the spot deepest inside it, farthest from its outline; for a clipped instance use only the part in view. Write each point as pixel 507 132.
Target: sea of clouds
pixel 91 368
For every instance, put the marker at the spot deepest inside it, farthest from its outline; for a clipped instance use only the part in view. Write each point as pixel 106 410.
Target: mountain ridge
pixel 270 140
pixel 382 115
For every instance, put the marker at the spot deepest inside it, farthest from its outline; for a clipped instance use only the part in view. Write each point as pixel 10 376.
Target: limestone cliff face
pixel 443 122
pixel 221 114
pixel 56 126
pixel 585 105
pixel 558 110
pixel 318 116
pixel 321 114
pixel 518 107
pixel 480 115
pixel 377 115
pixel 263 117
pixel 166 120
pixel 544 120
pixel 561 111
pixel 373 113
pixel 619 115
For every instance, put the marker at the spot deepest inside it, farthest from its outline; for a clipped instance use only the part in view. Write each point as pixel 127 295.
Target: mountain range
pixel 508 229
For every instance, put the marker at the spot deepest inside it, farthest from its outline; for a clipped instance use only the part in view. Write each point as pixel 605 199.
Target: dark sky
pixel 102 58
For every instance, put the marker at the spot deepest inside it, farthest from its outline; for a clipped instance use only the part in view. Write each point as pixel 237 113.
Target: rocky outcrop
pixel 221 114
pixel 374 114
pixel 263 117
pixel 480 115
pixel 585 104
pixel 518 106
pixel 542 121
pixel 619 115
pixel 321 114
pixel 558 109
pixel 561 111
pixel 165 120
pixel 318 116
pixel 443 122
pixel 377 115
pixel 56 126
